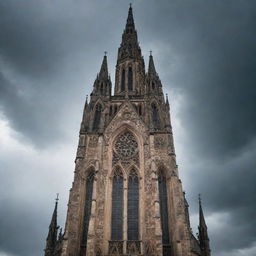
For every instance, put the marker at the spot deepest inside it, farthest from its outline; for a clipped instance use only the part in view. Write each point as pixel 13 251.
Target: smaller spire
pixel 151 66
pixel 53 231
pixel 201 213
pixel 86 100
pixel 203 233
pixel 104 68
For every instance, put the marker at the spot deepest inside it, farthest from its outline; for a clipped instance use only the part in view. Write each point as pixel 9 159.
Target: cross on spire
pixel 57 198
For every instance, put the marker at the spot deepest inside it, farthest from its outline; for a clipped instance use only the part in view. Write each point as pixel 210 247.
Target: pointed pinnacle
pixel 201 213
pixel 86 100
pixel 104 68
pixel 151 65
pixel 167 103
pixel 130 20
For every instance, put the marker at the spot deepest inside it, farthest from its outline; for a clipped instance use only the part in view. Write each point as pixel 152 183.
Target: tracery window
pixel 117 206
pixel 97 116
pixel 133 206
pixel 164 212
pixel 155 116
pixel 87 210
pixel 130 79
pixel 123 80
pixel 126 145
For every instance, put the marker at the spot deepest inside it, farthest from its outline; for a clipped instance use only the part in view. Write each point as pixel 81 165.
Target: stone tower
pixel 127 198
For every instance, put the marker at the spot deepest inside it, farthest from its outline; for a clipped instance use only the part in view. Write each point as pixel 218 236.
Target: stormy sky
pixel 205 54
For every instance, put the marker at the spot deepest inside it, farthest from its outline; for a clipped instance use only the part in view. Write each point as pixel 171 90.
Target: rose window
pixel 126 145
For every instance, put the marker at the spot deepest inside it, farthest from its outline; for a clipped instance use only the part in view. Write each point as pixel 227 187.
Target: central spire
pixel 130 20
pixel 130 69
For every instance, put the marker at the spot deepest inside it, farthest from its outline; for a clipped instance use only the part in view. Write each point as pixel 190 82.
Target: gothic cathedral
pixel 127 198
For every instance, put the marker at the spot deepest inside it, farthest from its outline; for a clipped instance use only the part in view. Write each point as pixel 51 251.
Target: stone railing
pixel 116 247
pixel 131 248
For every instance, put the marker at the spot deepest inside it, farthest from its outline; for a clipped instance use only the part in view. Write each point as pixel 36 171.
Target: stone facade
pixel 129 132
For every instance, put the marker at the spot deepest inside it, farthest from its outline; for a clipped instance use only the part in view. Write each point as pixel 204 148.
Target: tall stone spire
pixel 53 233
pixel 130 68
pixel 203 233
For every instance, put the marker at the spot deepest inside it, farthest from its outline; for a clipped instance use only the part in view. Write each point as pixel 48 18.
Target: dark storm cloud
pixel 50 52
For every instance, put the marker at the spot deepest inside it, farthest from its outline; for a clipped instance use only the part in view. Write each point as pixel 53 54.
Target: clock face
pixel 126 145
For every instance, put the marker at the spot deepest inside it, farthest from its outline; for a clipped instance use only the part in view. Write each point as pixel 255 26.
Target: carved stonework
pixel 133 247
pixel 93 142
pixel 150 248
pixel 159 142
pixel 115 247
pixel 126 145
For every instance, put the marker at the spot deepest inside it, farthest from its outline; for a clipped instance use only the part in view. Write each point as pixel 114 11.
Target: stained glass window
pixel 117 206
pixel 133 206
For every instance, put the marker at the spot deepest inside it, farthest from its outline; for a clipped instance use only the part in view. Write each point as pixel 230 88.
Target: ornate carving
pixel 133 247
pixel 150 248
pixel 93 142
pixel 115 158
pixel 98 251
pixel 116 247
pixel 159 142
pixel 126 115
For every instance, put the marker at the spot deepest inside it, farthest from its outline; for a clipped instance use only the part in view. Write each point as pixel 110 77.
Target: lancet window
pixel 123 81
pixel 130 79
pixel 87 209
pixel 163 199
pixel 117 206
pixel 133 206
pixel 97 116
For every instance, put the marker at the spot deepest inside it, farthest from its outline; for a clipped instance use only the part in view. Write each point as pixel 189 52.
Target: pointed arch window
pixel 101 89
pixel 133 206
pixel 153 86
pixel 97 116
pixel 123 80
pixel 155 116
pixel 130 79
pixel 163 201
pixel 117 206
pixel 87 209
